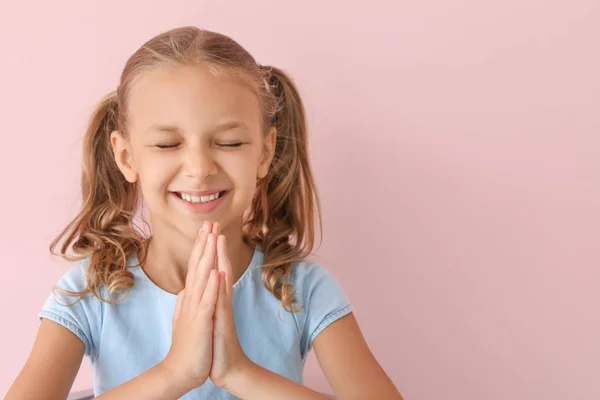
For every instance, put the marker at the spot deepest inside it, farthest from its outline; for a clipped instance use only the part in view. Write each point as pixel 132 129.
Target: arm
pixel 350 367
pixel 254 382
pixel 231 369
pixel 55 360
pixel 157 383
pixel 57 353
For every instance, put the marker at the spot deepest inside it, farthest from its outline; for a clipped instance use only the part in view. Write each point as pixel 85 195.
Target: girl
pixel 220 301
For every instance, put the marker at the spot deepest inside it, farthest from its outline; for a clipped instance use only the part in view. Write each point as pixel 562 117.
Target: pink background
pixel 455 145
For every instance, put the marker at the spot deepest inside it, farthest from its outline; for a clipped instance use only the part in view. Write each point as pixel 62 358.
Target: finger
pixel 217 231
pixel 195 257
pixel 197 250
pixel 221 307
pixel 216 228
pixel 207 263
pixel 223 263
pixel 209 297
pixel 177 309
pixel 208 226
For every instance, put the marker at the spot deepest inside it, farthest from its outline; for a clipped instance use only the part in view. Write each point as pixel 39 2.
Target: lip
pixel 200 208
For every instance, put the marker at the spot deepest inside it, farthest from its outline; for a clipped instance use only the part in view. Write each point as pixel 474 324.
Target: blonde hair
pixel 281 218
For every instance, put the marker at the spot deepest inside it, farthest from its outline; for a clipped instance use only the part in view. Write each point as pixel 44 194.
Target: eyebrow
pixel 225 126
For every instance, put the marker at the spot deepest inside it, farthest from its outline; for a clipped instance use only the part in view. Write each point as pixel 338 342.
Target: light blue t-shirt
pixel 125 339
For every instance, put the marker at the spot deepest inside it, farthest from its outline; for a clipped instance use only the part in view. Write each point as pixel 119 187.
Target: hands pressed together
pixel 205 343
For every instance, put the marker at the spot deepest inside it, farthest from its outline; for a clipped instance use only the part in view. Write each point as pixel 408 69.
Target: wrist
pixel 176 382
pixel 239 375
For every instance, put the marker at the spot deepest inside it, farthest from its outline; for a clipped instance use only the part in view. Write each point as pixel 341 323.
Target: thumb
pixel 177 309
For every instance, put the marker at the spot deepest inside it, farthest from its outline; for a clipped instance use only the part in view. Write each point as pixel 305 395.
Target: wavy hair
pixel 284 209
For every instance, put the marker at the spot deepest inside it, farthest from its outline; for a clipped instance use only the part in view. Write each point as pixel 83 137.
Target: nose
pixel 199 163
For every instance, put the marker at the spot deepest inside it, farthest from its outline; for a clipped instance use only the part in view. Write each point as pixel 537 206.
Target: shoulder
pixel 308 278
pixel 308 270
pixel 313 282
pixel 72 282
pixel 74 279
pixel 321 298
pixel 69 303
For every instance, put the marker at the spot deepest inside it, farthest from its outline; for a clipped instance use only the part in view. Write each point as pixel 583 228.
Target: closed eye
pixel 175 145
pixel 167 146
pixel 230 144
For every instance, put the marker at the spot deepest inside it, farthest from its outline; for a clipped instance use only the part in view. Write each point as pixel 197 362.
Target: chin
pixel 192 226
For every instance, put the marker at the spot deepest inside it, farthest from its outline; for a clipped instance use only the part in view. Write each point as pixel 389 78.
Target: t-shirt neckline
pixel 255 262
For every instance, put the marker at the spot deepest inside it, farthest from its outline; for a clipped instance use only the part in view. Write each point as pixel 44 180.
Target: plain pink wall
pixel 455 145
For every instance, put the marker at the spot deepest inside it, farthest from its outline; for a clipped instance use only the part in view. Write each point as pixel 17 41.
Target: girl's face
pixel 196 146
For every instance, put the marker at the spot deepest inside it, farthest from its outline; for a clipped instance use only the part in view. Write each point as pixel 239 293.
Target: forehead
pixel 190 96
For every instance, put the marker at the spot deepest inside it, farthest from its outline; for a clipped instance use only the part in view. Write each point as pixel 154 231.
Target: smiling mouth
pixel 200 199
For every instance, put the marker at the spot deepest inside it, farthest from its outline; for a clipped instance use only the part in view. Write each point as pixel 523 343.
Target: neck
pixel 168 255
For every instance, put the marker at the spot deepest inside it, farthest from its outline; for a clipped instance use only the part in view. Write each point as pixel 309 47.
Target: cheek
pixel 242 171
pixel 154 173
pixel 249 164
pixel 242 178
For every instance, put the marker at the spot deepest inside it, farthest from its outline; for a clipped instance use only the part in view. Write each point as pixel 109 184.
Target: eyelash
pixel 233 145
pixel 172 146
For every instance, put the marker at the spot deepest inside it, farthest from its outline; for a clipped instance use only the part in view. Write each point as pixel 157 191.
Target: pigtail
pixel 282 217
pixel 103 229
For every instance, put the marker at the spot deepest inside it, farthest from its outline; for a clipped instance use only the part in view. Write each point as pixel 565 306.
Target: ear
pixel 123 156
pixel 269 142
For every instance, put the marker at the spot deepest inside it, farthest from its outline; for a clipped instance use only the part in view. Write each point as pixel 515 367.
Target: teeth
pixel 199 199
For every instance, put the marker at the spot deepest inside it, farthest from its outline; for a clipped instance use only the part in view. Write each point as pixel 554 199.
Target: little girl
pixel 219 302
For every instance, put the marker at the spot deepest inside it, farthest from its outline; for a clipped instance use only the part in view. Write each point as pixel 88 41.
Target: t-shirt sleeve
pixel 74 313
pixel 323 300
